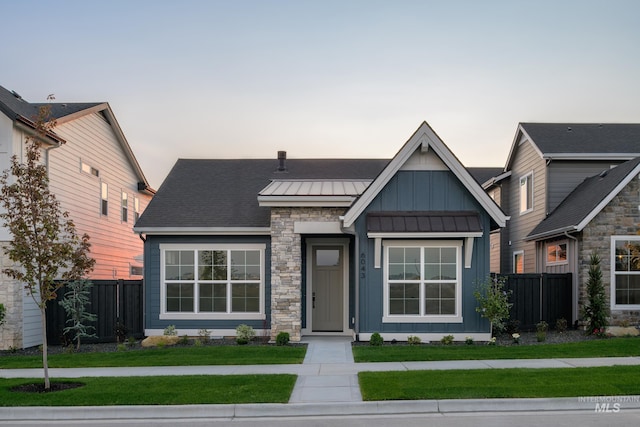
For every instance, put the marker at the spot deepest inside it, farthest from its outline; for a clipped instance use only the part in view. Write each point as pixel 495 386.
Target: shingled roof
pixel 221 193
pixel 584 138
pixel 586 201
pixel 14 106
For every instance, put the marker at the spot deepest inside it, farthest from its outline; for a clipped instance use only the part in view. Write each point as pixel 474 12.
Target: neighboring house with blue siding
pixel 320 246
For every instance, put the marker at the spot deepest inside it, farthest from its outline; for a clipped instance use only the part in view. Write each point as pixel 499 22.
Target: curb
pixel 605 404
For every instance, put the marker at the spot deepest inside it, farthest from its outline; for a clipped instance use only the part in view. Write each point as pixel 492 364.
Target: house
pixel 320 246
pixel 559 181
pixel 95 177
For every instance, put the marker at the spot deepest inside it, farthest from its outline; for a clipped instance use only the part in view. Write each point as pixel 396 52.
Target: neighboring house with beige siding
pixel 95 177
pixel 547 164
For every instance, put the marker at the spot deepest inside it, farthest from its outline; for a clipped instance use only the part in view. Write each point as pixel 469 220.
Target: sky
pixel 326 78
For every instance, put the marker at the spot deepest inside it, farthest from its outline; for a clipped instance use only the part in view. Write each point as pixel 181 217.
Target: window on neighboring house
pixel 423 281
pixel 136 209
pixel 625 278
pixel 136 270
pixel 125 206
pixel 87 168
pixel 518 262
pixel 213 282
pixel 104 206
pixel 557 253
pixel 526 193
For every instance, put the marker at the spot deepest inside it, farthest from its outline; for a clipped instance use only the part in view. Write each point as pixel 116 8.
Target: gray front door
pixel 327 288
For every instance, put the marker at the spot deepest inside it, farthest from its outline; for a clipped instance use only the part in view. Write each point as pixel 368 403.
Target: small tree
pixel 44 241
pixel 595 311
pixel 75 303
pixel 3 312
pixel 493 302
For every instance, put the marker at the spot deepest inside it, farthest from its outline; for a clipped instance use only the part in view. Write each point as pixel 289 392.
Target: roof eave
pixel 552 233
pixel 209 231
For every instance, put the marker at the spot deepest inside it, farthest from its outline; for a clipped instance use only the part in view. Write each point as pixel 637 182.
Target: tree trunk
pixel 45 360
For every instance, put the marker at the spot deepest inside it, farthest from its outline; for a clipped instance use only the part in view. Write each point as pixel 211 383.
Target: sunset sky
pixel 326 78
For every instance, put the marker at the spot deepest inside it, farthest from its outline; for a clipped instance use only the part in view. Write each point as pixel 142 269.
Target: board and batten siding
pixel 421 191
pixel 114 245
pixel 526 160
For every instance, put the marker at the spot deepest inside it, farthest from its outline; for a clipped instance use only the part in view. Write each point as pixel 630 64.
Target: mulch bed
pixel 39 387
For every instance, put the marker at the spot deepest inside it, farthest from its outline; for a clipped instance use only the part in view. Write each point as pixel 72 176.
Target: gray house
pixel 561 185
pixel 320 246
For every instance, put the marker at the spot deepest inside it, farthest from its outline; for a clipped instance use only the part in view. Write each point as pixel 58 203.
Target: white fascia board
pixel 627 179
pixel 520 132
pixel 422 235
pixel 552 233
pixel 591 156
pixel 212 231
pixel 305 201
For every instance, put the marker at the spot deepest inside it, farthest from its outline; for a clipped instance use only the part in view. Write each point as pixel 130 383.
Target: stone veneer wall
pixel 620 217
pixel 286 266
pixel 11 293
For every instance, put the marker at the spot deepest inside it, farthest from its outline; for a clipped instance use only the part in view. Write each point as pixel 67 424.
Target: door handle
pixel 313 300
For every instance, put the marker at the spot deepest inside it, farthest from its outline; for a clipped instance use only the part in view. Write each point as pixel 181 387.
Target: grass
pixel 500 383
pixel 612 347
pixel 164 390
pixel 168 356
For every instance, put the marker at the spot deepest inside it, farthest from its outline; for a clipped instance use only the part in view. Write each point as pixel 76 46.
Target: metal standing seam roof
pixel 424 222
pixel 312 187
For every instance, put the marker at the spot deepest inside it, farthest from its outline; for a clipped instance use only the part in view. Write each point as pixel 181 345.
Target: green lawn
pixel 168 390
pixel 612 347
pixel 168 356
pixel 500 383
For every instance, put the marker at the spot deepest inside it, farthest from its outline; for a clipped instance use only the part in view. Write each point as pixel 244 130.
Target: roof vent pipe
pixel 282 161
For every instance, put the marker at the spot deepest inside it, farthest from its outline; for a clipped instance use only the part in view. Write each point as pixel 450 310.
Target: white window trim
pixel 457 318
pixel 513 261
pixel 612 293
pixel 528 176
pixel 210 316
pixel 558 243
pixel 124 205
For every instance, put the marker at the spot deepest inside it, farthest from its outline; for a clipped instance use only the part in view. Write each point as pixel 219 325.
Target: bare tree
pixel 45 246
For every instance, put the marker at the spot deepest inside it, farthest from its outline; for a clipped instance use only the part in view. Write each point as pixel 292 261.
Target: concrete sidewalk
pixel 327 385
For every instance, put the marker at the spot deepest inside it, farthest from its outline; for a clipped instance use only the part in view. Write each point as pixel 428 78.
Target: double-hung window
pixel 526 193
pixel 625 276
pixel 212 282
pixel 423 281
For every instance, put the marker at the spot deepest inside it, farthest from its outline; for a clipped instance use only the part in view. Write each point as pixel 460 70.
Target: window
pixel 136 270
pixel 86 168
pixel 423 281
pixel 125 206
pixel 557 253
pixel 518 262
pixel 213 282
pixel 625 278
pixel 104 206
pixel 526 193
pixel 136 209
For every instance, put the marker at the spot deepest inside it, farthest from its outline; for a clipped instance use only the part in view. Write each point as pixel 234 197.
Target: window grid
pixel 627 271
pixel 557 253
pixel 125 206
pixel 104 195
pixel 223 281
pixel 422 280
pixel 526 193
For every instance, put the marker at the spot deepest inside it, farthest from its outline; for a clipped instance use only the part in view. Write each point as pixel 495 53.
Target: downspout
pixel 356 249
pixel 575 278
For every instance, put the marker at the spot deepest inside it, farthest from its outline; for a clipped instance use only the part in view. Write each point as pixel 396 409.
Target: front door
pixel 327 286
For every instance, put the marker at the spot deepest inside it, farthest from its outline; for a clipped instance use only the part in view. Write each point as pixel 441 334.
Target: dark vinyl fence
pixel 112 301
pixel 537 297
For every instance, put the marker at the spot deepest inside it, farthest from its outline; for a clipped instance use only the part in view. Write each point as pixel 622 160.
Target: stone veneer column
pixel 286 275
pixel 11 293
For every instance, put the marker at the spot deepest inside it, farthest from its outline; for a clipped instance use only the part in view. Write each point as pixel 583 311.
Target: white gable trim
pixel 425 139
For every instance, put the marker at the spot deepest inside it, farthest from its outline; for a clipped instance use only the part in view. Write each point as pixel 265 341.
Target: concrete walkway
pixel 327 385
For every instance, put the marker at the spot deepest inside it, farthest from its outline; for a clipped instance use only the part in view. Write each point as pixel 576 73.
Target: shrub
pixel 282 338
pixel 170 331
pixel 561 325
pixel 413 340
pixel 542 326
pixel 120 331
pixel 447 340
pixel 468 340
pixel 376 339
pixel 121 347
pixel 541 336
pixel 184 340
pixel 244 334
pixel 198 343
pixel 595 310
pixel 204 336
pixel 493 302
pixel 3 311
